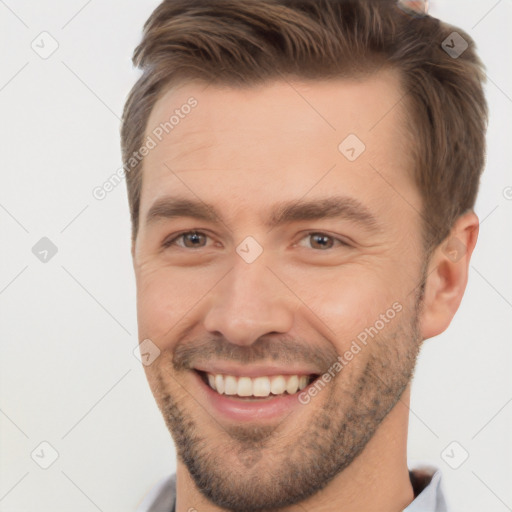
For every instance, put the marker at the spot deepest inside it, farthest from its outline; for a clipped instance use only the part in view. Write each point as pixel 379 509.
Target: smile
pixel 262 386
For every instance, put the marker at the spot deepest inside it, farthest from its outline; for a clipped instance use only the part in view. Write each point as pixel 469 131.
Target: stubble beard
pixel 256 468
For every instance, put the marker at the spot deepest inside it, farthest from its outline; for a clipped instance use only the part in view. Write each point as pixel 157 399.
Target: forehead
pixel 277 138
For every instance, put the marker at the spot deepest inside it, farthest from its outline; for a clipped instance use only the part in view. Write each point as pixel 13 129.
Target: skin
pixel 243 151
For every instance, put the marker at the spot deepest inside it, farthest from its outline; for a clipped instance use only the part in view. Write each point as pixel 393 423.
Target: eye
pixel 192 240
pixel 324 241
pixel 197 240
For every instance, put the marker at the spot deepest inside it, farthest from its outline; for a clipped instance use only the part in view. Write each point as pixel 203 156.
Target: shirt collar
pixel 429 496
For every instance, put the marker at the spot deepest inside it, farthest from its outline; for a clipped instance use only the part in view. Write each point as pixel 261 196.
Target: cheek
pixel 167 296
pixel 350 300
pixel 156 303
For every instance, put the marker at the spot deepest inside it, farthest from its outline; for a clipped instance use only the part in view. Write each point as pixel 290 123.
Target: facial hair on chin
pixel 250 469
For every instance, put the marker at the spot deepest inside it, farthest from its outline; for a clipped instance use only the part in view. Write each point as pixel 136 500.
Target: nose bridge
pixel 248 303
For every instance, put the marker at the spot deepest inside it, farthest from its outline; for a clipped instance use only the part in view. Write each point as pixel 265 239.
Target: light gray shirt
pixel 425 480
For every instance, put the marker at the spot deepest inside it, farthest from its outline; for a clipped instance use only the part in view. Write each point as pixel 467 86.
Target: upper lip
pixel 254 370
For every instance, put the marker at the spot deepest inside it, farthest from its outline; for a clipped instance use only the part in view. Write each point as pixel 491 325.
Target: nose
pixel 248 303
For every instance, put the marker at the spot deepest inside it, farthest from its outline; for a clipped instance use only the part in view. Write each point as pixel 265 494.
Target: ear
pixel 447 276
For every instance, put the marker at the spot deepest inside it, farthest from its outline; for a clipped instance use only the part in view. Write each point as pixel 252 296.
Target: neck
pixel 378 479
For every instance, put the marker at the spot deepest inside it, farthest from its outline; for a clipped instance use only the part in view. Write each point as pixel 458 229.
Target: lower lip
pixel 240 409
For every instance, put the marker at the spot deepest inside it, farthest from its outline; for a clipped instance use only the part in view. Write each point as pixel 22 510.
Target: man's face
pixel 262 290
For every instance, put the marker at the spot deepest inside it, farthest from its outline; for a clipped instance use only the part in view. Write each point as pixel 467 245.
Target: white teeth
pixel 244 386
pixel 259 386
pixel 303 382
pixel 219 383
pixel 292 385
pixel 230 384
pixel 278 385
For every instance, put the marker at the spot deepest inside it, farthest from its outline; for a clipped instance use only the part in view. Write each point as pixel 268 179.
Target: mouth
pixel 241 399
pixel 256 388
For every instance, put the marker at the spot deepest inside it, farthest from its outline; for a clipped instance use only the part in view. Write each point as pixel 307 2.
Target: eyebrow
pixel 337 207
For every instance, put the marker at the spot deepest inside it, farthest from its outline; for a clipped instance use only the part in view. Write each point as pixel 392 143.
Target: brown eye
pixel 323 242
pixel 191 240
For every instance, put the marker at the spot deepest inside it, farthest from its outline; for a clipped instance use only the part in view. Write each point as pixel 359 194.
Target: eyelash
pixel 170 242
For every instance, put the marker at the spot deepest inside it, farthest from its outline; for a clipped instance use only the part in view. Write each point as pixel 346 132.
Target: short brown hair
pixel 243 43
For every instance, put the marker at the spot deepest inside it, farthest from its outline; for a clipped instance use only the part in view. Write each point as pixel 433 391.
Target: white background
pixel 68 326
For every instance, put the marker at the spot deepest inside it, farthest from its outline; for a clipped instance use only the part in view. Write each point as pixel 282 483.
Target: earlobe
pixel 447 276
